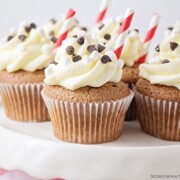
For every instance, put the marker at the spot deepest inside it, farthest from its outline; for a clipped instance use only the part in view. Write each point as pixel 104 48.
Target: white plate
pixel 31 147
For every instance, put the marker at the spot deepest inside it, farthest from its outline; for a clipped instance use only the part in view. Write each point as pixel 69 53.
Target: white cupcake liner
pixel 159 118
pixel 87 123
pixel 23 102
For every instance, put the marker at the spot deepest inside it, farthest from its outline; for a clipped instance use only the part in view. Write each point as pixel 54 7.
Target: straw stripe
pixel 149 37
pixel 66 27
pixel 102 11
pixel 123 32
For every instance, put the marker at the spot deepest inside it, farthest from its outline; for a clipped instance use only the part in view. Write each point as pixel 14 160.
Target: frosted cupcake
pixel 107 32
pixel 85 97
pixel 23 56
pixel 158 93
pixel 53 28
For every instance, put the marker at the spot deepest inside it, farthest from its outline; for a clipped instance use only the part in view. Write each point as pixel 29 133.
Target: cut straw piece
pixel 149 37
pixel 102 11
pixel 68 24
pixel 123 32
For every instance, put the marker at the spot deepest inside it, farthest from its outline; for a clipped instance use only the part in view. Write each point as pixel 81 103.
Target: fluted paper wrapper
pixel 159 118
pixel 23 102
pixel 132 111
pixel 87 123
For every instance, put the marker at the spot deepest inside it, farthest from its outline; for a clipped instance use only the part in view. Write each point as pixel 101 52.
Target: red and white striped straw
pixel 123 32
pixel 149 37
pixel 66 27
pixel 103 10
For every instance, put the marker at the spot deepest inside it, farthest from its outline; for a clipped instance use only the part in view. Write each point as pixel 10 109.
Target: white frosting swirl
pixel 164 68
pixel 30 53
pixel 133 47
pixel 89 71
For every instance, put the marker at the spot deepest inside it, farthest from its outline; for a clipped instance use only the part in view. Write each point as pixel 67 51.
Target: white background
pixel 14 11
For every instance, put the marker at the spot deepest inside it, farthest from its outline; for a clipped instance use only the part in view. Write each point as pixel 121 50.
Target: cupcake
pixel 23 56
pixel 107 32
pixel 158 92
pixel 85 97
pixel 53 28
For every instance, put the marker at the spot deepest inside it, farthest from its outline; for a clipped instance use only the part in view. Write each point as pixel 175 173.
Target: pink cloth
pixel 17 175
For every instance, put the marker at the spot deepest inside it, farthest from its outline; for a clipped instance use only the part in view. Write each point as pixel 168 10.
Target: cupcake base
pixel 21 96
pixel 87 122
pixel 159 118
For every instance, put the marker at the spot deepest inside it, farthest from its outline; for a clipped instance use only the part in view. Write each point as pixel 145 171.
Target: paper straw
pixel 149 37
pixel 66 27
pixel 102 11
pixel 123 32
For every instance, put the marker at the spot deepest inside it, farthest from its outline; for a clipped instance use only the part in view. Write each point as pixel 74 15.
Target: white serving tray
pixel 31 147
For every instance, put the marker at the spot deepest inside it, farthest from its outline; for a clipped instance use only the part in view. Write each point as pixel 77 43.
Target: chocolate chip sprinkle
pixel 9 38
pixel 165 61
pixel 173 45
pixel 107 36
pixel 100 48
pixel 70 50
pixel 75 36
pixel 80 41
pixel 84 28
pixel 32 26
pixel 137 30
pixel 170 28
pixel 54 39
pixel 157 48
pixel 91 48
pixel 76 58
pixel 22 37
pixel 53 62
pixel 53 21
pixel 105 59
pixel 51 33
pixel 101 26
pixel 27 29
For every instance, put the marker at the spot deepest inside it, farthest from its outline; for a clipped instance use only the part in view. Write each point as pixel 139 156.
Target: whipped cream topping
pixel 27 49
pixel 107 32
pixel 164 67
pixel 53 27
pixel 81 62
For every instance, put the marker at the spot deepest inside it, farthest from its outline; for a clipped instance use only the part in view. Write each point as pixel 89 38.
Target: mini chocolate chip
pixel 101 26
pixel 157 48
pixel 137 30
pixel 22 37
pixel 76 58
pixel 170 28
pixel 173 45
pixel 27 29
pixel 32 26
pixel 54 39
pixel 9 38
pixel 84 28
pixel 107 36
pixel 105 59
pixel 70 50
pixel 165 61
pixel 101 48
pixel 53 21
pixel 51 33
pixel 75 36
pixel 80 40
pixel 120 23
pixel 91 48
pixel 53 62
